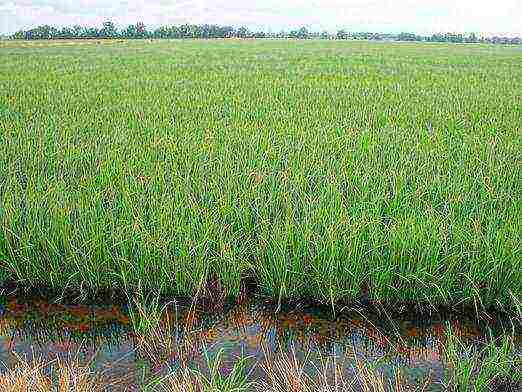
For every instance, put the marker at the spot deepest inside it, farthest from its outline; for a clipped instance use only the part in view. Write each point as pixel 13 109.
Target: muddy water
pixel 102 335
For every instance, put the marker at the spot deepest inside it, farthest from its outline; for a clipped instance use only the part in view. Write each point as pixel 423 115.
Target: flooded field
pixel 107 337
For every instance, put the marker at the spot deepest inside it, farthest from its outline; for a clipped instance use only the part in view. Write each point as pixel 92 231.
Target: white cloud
pixel 423 16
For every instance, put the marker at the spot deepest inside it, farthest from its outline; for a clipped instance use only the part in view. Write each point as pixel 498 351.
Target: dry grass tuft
pixel 180 381
pixel 286 373
pixel 57 376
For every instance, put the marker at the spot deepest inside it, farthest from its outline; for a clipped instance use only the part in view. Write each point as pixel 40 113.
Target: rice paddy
pixel 320 169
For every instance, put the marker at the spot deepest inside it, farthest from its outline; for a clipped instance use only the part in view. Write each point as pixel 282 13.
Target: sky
pixel 500 17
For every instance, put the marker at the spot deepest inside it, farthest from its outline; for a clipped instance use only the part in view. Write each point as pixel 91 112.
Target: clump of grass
pixel 151 326
pixel 218 377
pixel 181 381
pixel 224 377
pixel 286 373
pixel 492 368
pixel 57 376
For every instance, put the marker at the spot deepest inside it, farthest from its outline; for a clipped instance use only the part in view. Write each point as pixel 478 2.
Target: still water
pixel 102 334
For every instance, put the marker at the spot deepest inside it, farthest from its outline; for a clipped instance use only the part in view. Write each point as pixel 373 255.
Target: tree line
pixel 206 31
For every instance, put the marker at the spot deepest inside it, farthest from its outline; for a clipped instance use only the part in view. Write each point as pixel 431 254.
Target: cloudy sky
pixel 420 16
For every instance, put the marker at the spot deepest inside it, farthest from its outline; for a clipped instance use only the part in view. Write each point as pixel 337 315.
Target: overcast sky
pixel 421 16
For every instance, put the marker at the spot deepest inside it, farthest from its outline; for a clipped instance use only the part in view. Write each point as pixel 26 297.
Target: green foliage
pixel 222 377
pixel 316 168
pixel 472 371
pixel 206 31
pixel 145 314
pixel 218 376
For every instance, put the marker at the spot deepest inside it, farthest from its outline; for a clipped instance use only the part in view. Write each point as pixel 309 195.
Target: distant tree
pixel 452 37
pixel 163 32
pixel 18 35
pixel 472 38
pixel 91 32
pixel 407 37
pixel 303 33
pixel 362 35
pixel 228 31
pixel 130 32
pixel 436 38
pixel 40 32
pixel 78 31
pixel 324 35
pixel 65 33
pixel 342 34
pixel 108 30
pixel 141 30
pixel 243 32
pixel 194 31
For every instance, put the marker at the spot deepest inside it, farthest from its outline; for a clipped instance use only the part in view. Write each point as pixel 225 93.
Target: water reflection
pixel 103 334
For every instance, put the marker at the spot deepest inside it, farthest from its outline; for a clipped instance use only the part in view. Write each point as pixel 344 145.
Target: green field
pixel 314 168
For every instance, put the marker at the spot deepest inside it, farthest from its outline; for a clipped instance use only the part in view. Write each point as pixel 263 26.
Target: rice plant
pixel 495 367
pixel 313 168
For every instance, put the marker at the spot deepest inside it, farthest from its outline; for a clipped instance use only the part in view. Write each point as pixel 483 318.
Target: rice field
pixel 318 169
